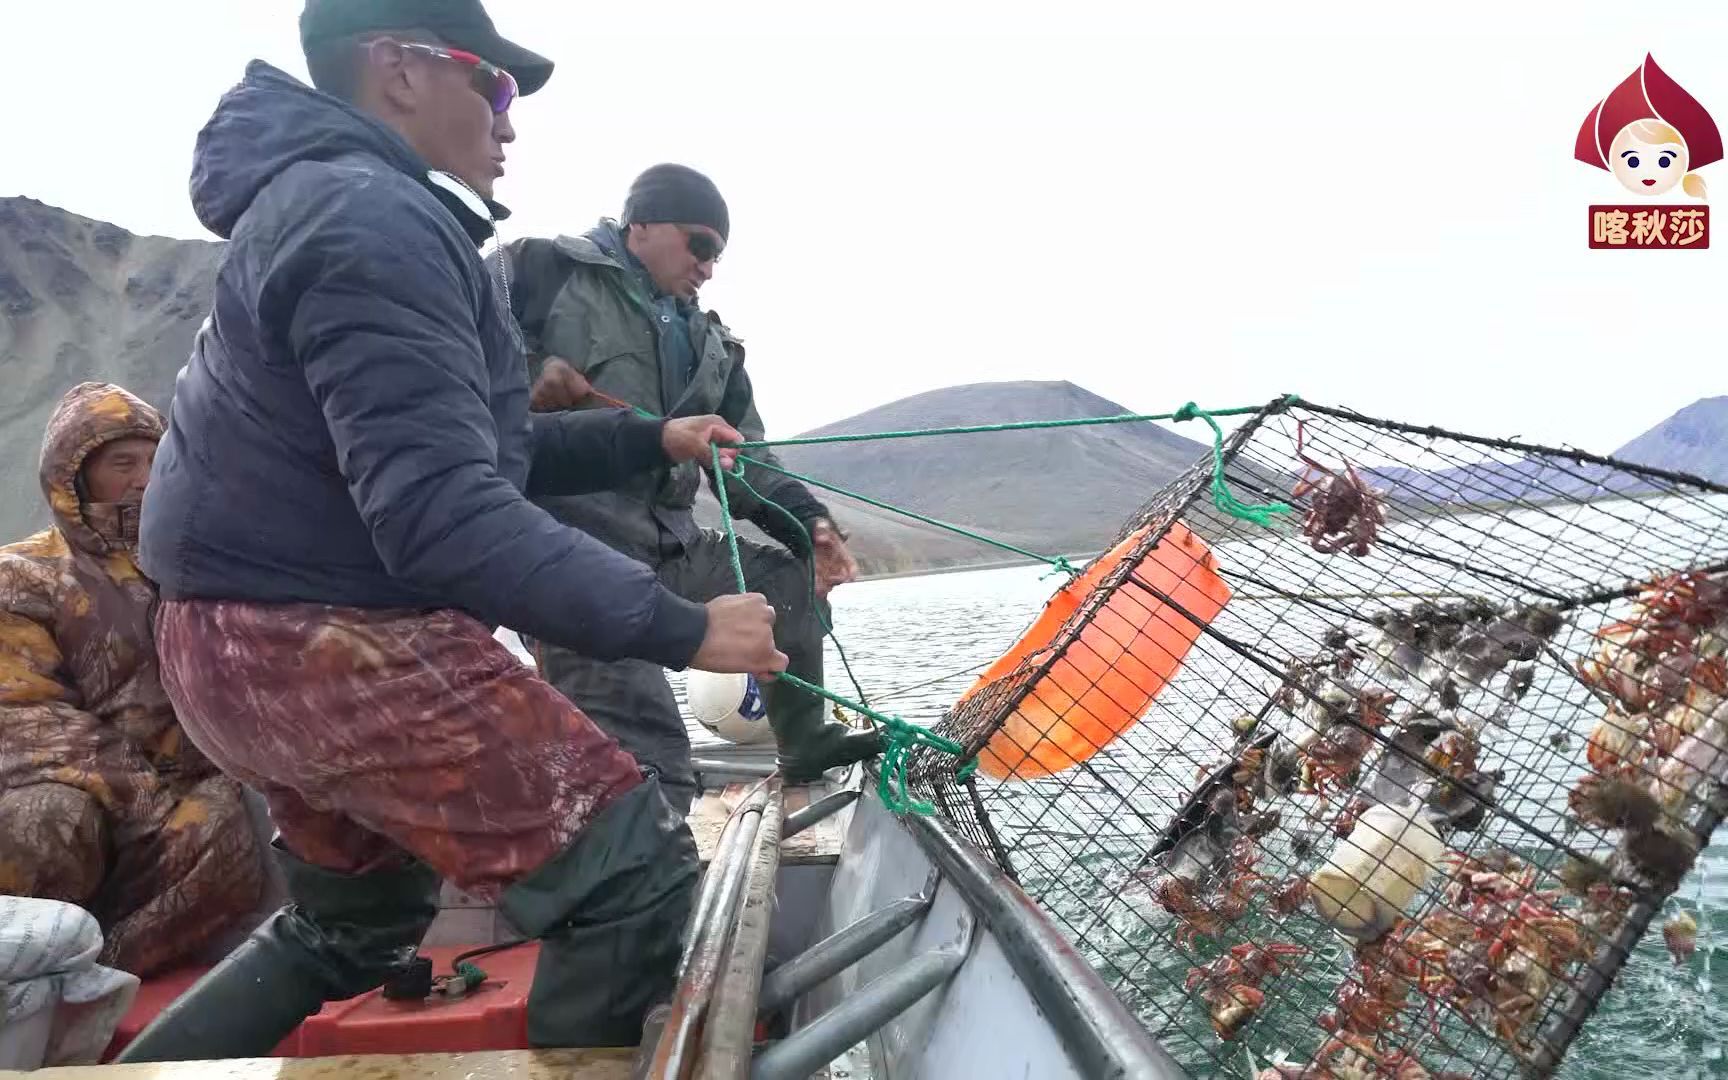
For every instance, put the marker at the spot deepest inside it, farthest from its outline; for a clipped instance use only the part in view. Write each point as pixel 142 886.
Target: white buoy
pixel 730 706
pixel 1373 874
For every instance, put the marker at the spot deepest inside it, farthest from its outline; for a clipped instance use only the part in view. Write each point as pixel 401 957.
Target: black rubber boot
pixel 811 745
pixel 610 911
pixel 342 935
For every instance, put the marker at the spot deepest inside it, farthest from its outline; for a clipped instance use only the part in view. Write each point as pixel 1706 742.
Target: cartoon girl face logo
pixel 1649 157
pixel 1648 133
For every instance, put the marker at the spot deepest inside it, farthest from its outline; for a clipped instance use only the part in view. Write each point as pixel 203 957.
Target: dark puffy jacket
pixel 353 425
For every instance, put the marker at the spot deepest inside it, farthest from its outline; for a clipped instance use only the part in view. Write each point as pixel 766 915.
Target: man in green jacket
pixel 612 316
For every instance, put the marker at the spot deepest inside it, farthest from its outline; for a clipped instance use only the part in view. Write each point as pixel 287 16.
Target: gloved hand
pixel 834 563
pixel 559 387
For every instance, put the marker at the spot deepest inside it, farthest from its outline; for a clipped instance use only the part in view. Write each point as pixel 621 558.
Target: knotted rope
pixel 900 738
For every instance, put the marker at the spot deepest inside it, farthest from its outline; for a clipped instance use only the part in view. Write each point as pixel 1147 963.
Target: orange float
pixel 1122 659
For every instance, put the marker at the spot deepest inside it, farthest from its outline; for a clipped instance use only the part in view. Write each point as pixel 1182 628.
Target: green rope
pixel 726 519
pixel 899 737
pixel 1057 562
pixel 974 429
pixel 737 474
pixel 1222 497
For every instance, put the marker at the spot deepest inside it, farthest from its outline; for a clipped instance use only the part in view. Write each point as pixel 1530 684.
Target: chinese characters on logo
pixel 1649 226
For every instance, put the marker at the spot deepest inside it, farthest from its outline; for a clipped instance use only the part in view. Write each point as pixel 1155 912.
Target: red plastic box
pixel 492 1016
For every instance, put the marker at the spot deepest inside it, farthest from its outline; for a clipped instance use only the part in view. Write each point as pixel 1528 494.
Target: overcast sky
pixel 1369 207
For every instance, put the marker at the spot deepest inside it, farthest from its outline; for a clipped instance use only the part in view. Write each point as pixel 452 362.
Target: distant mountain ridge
pixel 1693 442
pixel 82 299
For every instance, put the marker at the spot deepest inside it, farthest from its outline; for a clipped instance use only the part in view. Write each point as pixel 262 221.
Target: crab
pixel 1369 1001
pixel 1242 881
pixel 1248 769
pixel 1667 648
pixel 1287 895
pixel 1708 687
pixel 1618 743
pixel 1331 759
pixel 1199 918
pixel 1194 919
pixel 1346 821
pixel 1454 752
pixel 1356 1057
pixel 1230 985
pixel 1683 604
pixel 1680 934
pixel 1345 513
pixel 1507 946
pixel 1605 907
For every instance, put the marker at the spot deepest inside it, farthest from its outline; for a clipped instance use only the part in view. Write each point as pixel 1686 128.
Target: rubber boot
pixel 610 911
pixel 810 744
pixel 342 935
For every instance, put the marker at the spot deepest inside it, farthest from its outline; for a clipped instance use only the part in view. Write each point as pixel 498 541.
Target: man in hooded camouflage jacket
pixel 104 802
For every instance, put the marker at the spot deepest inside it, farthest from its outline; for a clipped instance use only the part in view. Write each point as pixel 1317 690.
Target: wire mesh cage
pixel 1390 788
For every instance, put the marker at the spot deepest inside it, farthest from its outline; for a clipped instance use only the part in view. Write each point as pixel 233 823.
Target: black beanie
pixel 676 194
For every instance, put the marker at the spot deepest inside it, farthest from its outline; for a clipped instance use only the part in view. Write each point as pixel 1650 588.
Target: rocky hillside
pixel 82 299
pixel 1693 440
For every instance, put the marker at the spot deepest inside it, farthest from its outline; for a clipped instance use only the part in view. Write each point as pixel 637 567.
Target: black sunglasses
pixel 703 246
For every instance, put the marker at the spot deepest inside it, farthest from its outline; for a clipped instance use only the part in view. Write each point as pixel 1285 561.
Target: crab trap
pixel 1387 786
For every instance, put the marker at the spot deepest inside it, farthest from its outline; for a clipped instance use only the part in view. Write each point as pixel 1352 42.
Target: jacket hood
pixel 598 245
pixel 270 121
pixel 608 238
pixel 90 415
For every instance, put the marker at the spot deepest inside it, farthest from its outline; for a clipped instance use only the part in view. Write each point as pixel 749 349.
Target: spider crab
pixel 1230 985
pixel 1345 513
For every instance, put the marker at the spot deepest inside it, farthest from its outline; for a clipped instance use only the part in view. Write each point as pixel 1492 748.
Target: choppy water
pixel 1658 1021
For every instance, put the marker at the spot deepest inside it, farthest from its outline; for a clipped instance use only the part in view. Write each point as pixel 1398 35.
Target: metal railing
pixel 707 1032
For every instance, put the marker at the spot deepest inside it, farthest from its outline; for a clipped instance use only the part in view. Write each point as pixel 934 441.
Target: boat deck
pixel 972 980
pixel 464 921
pixel 818 845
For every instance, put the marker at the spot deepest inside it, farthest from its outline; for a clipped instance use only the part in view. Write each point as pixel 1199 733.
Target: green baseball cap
pixel 463 24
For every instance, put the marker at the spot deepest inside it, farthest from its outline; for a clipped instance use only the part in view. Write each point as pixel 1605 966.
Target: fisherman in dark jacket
pixel 611 316
pixel 338 520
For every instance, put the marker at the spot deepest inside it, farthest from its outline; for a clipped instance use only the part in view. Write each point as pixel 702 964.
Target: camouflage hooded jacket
pixel 80 699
